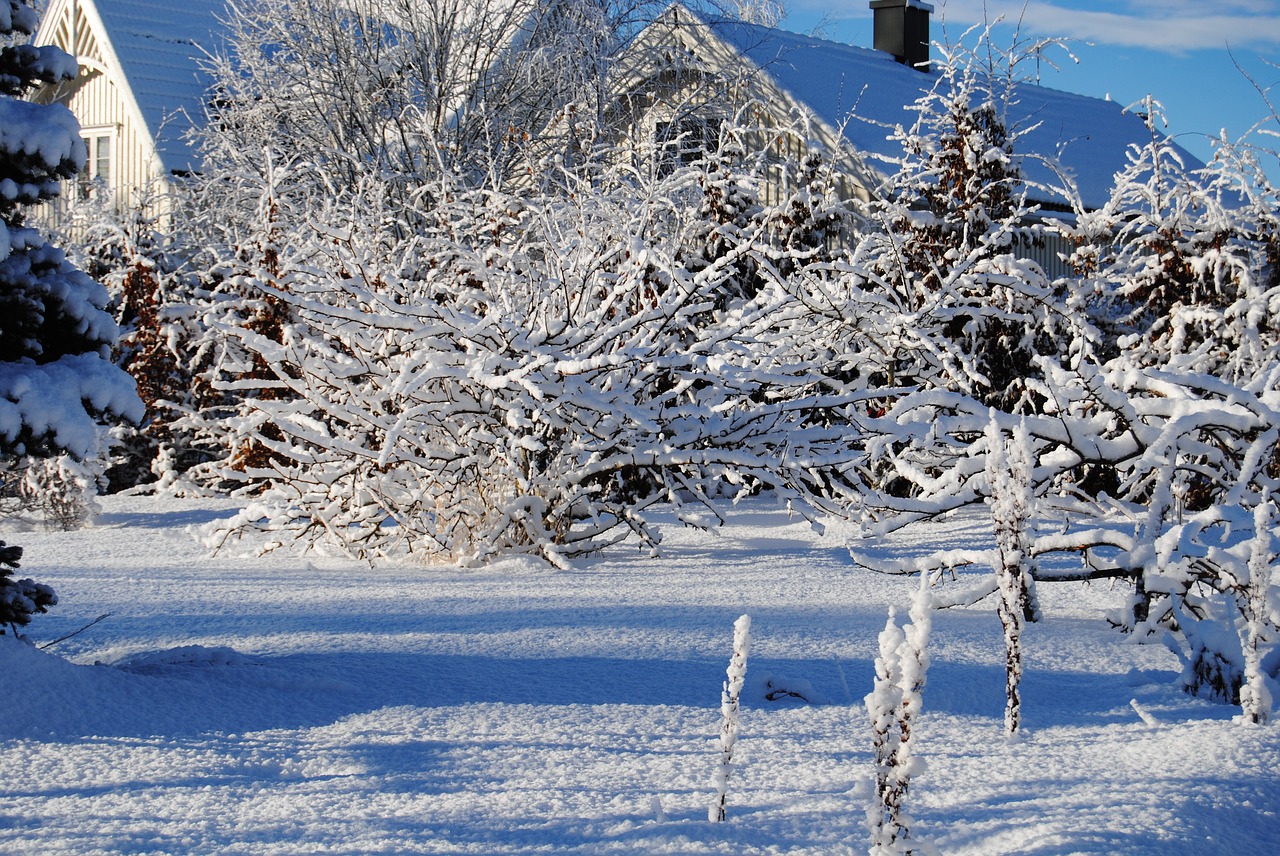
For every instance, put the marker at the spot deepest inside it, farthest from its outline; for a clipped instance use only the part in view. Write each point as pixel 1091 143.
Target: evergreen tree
pixel 55 378
pixel 971 316
pixel 20 599
pixel 152 291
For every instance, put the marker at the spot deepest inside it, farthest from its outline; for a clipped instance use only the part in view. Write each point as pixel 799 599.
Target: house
pixel 686 68
pixel 140 88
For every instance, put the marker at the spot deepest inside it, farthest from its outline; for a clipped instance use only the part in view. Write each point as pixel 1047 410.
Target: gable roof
pixel 151 50
pixel 159 46
pixel 856 92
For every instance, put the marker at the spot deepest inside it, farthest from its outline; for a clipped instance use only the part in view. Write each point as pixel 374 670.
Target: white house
pixel 139 89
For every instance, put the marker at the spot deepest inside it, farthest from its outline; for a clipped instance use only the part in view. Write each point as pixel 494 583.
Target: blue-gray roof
pixel 160 45
pixel 1090 135
pixel 160 49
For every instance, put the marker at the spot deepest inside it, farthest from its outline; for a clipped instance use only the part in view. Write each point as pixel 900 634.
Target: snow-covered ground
pixel 289 706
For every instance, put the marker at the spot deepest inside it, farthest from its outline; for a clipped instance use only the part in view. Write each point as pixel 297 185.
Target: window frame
pixel 91 179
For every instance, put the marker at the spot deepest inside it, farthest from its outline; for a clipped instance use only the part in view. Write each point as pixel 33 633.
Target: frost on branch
pixel 737 673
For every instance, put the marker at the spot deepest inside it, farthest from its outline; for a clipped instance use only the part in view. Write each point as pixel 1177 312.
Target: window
pixel 681 142
pixel 97 173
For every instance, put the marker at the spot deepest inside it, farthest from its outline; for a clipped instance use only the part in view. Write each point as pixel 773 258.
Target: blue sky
pixel 1183 52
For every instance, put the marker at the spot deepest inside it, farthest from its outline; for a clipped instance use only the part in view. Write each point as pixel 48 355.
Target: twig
pixel 48 645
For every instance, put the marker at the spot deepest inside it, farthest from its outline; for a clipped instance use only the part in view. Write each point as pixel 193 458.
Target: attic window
pixel 685 141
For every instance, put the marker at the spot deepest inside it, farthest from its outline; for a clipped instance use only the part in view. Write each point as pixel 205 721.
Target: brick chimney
pixel 902 28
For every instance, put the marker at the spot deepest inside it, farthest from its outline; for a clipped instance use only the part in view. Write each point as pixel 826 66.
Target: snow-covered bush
pixel 1180 262
pixel 529 372
pixel 729 712
pixel 61 490
pixel 244 277
pixel 893 707
pixel 1155 429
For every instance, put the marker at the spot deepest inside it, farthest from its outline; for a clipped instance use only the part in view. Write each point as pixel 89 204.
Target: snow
pixel 280 705
pixel 51 399
pixel 45 134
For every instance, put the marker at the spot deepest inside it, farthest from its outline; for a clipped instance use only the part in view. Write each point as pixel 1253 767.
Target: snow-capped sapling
pixel 893 706
pixel 737 673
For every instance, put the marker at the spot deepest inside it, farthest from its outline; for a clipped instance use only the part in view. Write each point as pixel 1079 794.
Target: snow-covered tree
pixel 765 13
pixel 729 715
pixel 55 382
pixel 1156 429
pixel 969 315
pixel 395 90
pixel 240 267
pixel 151 288
pixel 1147 400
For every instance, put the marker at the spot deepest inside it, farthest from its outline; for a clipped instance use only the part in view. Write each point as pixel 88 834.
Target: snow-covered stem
pixel 729 714
pixel 1255 697
pixel 1011 499
pixel 893 707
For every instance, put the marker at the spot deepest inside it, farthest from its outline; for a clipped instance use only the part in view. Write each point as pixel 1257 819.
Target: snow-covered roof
pixel 1089 135
pixel 159 45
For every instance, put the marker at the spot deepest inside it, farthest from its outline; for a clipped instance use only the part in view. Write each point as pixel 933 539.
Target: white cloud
pixel 1172 26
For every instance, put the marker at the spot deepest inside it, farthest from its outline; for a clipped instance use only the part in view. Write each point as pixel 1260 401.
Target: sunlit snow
pixel 285 705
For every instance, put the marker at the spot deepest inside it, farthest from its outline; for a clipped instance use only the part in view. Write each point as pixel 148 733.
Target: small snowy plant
pixel 19 599
pixel 1009 473
pixel 61 489
pixel 893 706
pixel 737 673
